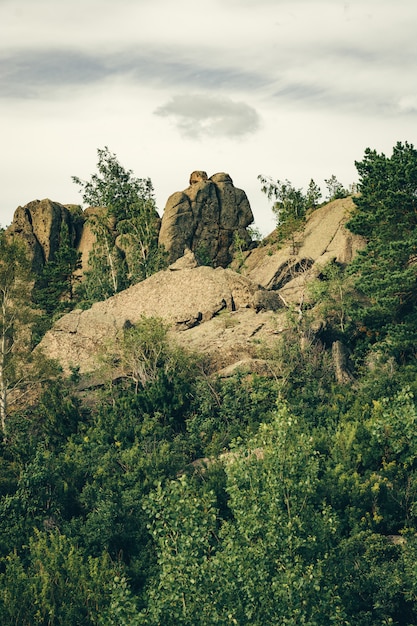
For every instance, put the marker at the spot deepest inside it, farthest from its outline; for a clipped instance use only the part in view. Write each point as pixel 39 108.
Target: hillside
pixel 211 444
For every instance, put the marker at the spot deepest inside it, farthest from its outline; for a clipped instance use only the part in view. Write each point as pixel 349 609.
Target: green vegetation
pixel 386 271
pixel 172 497
pixel 291 204
pixel 21 372
pixel 54 289
pixel 126 229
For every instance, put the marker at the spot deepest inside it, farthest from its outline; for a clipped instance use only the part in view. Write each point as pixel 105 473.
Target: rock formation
pixel 39 225
pixel 288 268
pixel 205 218
pixel 219 312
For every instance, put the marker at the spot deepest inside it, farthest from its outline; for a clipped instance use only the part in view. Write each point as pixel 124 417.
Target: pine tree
pixel 386 270
pixel 54 288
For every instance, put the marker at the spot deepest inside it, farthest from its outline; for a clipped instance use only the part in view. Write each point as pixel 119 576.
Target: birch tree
pixel 15 314
pixel 126 249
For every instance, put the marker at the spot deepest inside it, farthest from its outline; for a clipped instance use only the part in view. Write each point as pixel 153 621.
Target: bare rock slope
pixel 183 298
pixel 289 268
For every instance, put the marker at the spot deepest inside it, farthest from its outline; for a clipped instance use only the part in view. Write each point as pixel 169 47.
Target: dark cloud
pixel 28 73
pixel 197 115
pixel 355 100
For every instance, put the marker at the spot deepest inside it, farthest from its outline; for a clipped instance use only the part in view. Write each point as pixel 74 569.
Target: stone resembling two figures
pixel 206 218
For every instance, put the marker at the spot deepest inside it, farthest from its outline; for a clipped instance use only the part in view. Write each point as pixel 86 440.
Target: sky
pixel 291 89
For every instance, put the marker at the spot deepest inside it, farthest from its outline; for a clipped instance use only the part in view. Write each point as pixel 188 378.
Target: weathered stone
pixel 322 239
pixel 184 299
pixel 177 226
pixel 38 224
pixel 341 363
pixel 186 262
pixel 235 216
pixel 204 218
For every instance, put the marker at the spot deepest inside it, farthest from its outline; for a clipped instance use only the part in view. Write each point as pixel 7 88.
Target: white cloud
pixel 197 115
pixel 408 103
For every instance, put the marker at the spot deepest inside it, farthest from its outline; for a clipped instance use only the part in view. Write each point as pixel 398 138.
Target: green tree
pixel 54 288
pixel 276 546
pixel 126 249
pixel 16 316
pixel 139 240
pixel 59 584
pixel 114 187
pixel 375 463
pixel 334 294
pixel 386 270
pixel 144 354
pixel 184 531
pixel 266 563
pixel 335 189
pixel 290 202
pixel 290 205
pixel 313 195
pixel 107 272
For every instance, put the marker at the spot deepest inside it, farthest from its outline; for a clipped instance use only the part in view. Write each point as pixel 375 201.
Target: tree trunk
pixel 3 385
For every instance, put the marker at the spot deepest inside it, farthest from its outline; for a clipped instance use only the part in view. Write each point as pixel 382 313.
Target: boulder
pixel 204 218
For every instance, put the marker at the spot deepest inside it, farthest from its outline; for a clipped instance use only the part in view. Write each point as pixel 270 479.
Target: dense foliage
pixel 386 270
pixel 171 497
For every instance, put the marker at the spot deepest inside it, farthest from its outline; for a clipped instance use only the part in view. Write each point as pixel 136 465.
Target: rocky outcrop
pixel 341 363
pixel 205 218
pixel 87 236
pixel 184 298
pixel 39 225
pixel 289 268
pixel 218 312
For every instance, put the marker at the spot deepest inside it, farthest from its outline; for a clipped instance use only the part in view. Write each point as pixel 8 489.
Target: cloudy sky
pixel 292 89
